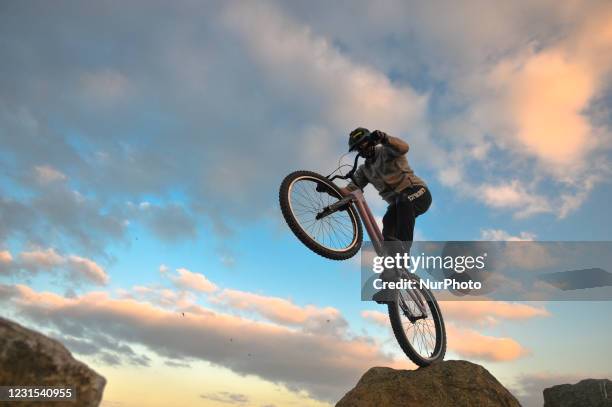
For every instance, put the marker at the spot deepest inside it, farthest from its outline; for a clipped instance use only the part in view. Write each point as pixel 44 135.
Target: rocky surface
pixel 30 358
pixel 453 383
pixel 588 392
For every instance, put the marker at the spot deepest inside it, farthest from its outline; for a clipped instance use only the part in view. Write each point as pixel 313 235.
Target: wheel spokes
pixel 336 231
pixel 421 333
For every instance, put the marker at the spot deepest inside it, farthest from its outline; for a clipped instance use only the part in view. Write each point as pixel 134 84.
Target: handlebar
pixel 349 175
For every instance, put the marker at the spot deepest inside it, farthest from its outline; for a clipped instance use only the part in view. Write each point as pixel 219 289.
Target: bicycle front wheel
pixel 304 195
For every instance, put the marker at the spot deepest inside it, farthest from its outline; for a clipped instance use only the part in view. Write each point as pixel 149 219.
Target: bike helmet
pixel 358 136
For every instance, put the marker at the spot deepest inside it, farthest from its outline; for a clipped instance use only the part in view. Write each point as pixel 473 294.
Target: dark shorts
pixel 419 196
pixel 399 220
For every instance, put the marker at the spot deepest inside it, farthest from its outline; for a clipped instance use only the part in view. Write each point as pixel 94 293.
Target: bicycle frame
pixel 369 221
pixel 356 197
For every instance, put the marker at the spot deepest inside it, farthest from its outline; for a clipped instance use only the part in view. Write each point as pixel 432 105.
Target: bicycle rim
pixel 423 339
pixel 337 231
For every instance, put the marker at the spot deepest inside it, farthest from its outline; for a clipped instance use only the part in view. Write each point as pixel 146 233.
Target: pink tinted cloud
pixel 88 268
pixel 546 91
pixel 77 268
pixel 5 257
pixel 489 312
pixel 275 308
pixel 471 344
pixel 40 258
pixel 328 363
pixel 193 281
pixel 161 296
pixel 375 317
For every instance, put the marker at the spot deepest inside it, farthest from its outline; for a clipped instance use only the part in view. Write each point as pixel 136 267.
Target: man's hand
pixel 377 136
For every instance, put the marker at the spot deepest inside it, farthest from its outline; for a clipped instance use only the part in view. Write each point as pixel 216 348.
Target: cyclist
pixel 386 167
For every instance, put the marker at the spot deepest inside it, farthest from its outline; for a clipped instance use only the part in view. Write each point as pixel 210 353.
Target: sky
pixel 143 144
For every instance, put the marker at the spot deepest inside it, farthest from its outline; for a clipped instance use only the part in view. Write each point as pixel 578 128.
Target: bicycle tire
pixel 298 230
pixel 404 342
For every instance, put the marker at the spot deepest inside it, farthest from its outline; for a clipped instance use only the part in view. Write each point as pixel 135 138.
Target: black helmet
pixel 358 136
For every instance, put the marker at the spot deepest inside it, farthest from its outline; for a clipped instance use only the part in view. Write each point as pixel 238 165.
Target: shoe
pixel 384 296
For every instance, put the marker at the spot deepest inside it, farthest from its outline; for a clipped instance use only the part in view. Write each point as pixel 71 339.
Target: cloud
pixel 529 256
pixel 547 91
pixel 502 235
pixel 173 363
pixel 314 319
pixel 161 296
pixel 305 77
pixel 75 268
pixel 226 397
pixel 535 104
pixel 519 92
pixel 471 344
pixel 514 195
pixel 275 308
pixel 105 348
pixel 171 222
pixel 530 386
pixel 340 92
pixel 300 59
pixel 143 144
pixel 106 86
pixel 46 174
pixel 37 259
pixel 489 312
pixel 87 268
pixel 193 281
pixel 375 317
pixel 16 219
pixel 59 216
pixel 5 257
pixel 546 95
pixel 328 362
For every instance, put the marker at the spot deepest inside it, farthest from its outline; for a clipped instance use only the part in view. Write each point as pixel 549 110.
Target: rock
pixel 453 383
pixel 585 393
pixel 30 358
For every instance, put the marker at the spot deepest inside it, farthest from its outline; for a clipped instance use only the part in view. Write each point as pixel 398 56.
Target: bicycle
pixel 331 225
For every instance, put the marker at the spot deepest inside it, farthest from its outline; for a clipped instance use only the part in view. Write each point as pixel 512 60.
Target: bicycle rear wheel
pixel 303 195
pixel 421 337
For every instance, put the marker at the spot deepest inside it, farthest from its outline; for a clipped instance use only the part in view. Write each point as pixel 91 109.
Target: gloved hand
pixel 377 136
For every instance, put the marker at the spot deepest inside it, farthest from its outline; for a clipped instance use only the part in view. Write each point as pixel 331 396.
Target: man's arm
pixel 396 144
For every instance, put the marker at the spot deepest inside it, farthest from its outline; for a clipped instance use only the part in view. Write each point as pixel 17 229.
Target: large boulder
pixel 453 383
pixel 29 358
pixel 585 393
